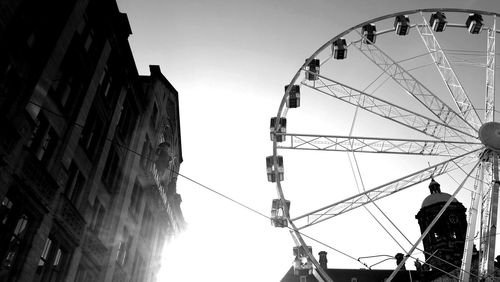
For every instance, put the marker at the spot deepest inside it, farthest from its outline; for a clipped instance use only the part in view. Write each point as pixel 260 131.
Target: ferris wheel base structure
pixel 413 71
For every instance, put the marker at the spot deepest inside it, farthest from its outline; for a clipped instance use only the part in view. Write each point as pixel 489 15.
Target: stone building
pixel 89 150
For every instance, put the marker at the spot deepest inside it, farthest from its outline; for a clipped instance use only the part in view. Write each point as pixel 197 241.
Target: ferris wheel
pixel 412 93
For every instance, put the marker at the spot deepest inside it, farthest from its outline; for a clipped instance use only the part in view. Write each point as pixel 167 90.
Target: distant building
pixel 89 150
pixel 443 249
pixel 444 244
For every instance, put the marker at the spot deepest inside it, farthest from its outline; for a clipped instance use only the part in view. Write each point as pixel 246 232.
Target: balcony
pixel 70 218
pixel 39 183
pixel 94 248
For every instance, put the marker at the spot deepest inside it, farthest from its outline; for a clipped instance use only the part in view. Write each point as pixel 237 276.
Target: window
pixel 92 132
pixel 154 116
pixel 75 184
pixel 146 154
pixel 68 85
pixel 47 145
pixel 64 90
pixel 124 248
pixel 147 225
pixel 14 232
pixel 97 217
pixel 171 110
pixel 53 261
pixel 104 83
pixel 136 198
pixel 43 141
pixel 112 173
pixel 127 122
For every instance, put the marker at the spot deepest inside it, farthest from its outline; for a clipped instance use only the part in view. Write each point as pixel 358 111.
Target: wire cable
pixel 206 187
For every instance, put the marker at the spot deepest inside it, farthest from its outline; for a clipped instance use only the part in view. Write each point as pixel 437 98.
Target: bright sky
pixel 229 61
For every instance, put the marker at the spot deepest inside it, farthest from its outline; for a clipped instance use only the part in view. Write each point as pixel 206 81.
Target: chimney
pixel 399 258
pixel 323 261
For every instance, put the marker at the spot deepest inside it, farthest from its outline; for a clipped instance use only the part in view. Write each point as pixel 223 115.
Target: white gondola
pixel 293 99
pixel 339 49
pixel 474 23
pixel 272 169
pixel 438 22
pixel 281 129
pixel 312 69
pixel 278 213
pixel 402 25
pixel 369 33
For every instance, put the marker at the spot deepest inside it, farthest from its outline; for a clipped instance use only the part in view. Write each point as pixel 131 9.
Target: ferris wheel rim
pixel 282 109
pixel 377 19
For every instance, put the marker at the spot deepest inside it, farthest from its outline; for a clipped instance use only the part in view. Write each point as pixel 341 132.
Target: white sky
pixel 229 60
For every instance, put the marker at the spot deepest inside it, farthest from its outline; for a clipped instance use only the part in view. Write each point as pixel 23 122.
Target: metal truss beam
pixel 448 75
pixel 389 111
pixel 490 73
pixel 416 89
pixel 373 145
pixel 471 226
pixel 377 193
pixel 489 213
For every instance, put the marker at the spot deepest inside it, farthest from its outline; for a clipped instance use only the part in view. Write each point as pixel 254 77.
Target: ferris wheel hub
pixel 489 134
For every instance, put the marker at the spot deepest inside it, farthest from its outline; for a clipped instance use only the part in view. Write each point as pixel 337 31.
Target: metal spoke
pixel 386 189
pixel 448 74
pixel 373 145
pixel 415 88
pixel 388 110
pixel 490 74
pixel 471 226
pixel 488 220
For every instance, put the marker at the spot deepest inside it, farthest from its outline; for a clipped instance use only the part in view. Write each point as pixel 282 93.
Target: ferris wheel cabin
pixel 312 69
pixel 438 22
pixel 402 25
pixel 339 49
pixel 474 23
pixel 279 212
pixel 281 129
pixel 293 99
pixel 272 169
pixel 369 33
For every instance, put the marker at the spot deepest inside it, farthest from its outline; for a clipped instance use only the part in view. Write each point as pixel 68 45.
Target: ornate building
pixel 89 150
pixel 444 244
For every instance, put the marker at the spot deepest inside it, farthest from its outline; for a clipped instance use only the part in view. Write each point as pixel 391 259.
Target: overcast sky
pixel 229 61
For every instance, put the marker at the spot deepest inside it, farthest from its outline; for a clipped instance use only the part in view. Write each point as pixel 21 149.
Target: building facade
pixel 89 151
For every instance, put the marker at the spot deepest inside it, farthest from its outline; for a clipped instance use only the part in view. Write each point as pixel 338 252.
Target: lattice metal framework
pixel 452 130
